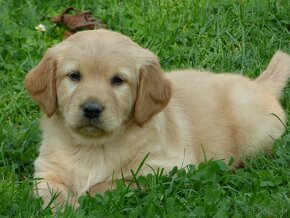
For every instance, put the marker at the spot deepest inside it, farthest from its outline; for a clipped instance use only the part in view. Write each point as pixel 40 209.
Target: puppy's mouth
pixel 92 127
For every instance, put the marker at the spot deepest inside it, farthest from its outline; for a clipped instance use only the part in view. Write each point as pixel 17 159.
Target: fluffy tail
pixel 276 76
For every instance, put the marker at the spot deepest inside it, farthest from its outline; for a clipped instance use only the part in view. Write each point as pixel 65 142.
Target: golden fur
pixel 175 117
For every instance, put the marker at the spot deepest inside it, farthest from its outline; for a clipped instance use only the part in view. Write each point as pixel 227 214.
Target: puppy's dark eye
pixel 75 76
pixel 117 80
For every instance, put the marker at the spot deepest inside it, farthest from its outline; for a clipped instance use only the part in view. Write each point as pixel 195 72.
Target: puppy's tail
pixel 277 74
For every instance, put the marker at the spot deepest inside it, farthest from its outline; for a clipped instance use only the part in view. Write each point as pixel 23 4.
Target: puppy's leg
pixel 55 195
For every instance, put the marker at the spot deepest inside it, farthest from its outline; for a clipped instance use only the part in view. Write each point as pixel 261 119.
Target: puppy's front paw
pixel 56 196
pixel 100 188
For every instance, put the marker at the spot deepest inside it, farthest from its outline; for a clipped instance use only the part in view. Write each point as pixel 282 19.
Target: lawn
pixel 231 36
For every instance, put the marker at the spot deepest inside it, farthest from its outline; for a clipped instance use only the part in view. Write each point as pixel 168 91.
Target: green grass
pixel 239 36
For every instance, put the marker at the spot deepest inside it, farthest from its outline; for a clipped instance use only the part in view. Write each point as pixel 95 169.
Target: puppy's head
pixel 97 81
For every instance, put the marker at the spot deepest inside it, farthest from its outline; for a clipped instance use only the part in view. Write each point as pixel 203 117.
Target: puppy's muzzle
pixel 92 110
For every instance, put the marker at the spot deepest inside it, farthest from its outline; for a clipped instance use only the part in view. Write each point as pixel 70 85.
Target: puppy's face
pixel 96 87
pixel 98 81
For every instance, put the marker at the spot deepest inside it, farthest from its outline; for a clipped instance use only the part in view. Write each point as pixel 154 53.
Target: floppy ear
pixel 154 91
pixel 40 83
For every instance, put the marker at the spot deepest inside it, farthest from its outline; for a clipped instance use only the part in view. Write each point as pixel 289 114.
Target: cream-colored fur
pixel 175 117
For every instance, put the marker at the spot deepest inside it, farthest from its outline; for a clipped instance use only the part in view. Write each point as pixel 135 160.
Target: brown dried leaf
pixel 78 21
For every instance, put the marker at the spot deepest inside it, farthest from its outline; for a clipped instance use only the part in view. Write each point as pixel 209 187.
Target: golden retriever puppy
pixel 108 104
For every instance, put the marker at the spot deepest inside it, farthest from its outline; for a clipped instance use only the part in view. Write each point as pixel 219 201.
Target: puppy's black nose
pixel 92 109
